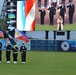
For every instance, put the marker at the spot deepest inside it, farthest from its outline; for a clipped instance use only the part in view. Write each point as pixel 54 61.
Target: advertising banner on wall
pixel 67 45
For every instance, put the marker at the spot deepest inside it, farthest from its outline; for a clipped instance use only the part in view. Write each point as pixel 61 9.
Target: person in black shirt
pixel 8 52
pixel 15 54
pixel 0 52
pixel 62 12
pixel 52 12
pixel 23 53
pixel 71 12
pixel 42 15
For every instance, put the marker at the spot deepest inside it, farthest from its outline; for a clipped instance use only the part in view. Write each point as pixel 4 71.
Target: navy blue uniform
pixel 52 12
pixel 8 52
pixel 23 53
pixel 71 12
pixel 15 53
pixel 62 11
pixel 0 51
pixel 42 15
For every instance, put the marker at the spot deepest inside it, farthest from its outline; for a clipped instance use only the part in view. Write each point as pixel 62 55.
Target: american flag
pixel 1 33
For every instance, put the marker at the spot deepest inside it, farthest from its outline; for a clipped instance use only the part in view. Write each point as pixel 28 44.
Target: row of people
pixel 48 2
pixel 15 52
pixel 62 12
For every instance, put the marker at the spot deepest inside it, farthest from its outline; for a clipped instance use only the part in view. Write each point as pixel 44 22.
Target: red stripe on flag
pixel 33 26
pixel 23 38
pixel 28 6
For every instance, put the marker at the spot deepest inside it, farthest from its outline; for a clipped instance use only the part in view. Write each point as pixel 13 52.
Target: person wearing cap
pixel 62 12
pixel 8 52
pixel 15 54
pixel 52 12
pixel 23 53
pixel 42 15
pixel 0 52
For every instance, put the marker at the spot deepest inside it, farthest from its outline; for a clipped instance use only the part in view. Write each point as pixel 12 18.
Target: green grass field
pixel 41 63
pixel 54 27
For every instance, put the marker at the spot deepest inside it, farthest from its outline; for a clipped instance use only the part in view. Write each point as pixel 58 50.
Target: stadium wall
pixel 46 45
pixel 53 45
pixel 52 35
pixel 48 41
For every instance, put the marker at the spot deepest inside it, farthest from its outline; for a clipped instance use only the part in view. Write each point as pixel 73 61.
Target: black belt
pixel 15 52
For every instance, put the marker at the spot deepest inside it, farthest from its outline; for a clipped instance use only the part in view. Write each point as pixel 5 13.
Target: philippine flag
pixel 26 15
pixel 19 35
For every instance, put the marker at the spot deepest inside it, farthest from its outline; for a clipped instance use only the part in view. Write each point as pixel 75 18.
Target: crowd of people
pixel 61 9
pixel 14 50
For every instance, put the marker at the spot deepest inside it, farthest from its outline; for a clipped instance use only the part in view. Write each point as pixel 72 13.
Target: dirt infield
pixel 55 17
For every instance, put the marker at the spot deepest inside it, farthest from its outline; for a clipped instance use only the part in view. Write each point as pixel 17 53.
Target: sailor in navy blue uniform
pixel 8 52
pixel 0 52
pixel 62 12
pixel 15 54
pixel 71 11
pixel 23 53
pixel 42 15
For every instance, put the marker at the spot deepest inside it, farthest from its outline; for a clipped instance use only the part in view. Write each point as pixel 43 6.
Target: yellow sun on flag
pixel 17 33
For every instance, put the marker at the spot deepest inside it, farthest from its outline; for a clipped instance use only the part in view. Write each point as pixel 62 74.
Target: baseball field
pixel 41 63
